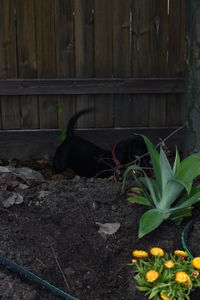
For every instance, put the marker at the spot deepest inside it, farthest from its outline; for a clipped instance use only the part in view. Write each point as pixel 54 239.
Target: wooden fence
pixel 126 58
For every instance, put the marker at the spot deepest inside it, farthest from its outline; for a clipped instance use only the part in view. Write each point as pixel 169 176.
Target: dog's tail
pixel 73 120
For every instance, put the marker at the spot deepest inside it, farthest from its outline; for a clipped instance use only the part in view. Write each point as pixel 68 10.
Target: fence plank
pixel 158 45
pixel 65 54
pixel 91 86
pixel 103 58
pixel 27 64
pixel 122 60
pixel 8 63
pixel 177 48
pixel 140 23
pixel 84 54
pixel 45 20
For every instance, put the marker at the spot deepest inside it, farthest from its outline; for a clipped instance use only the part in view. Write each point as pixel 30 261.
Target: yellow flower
pixel 152 275
pixel 140 254
pixel 196 262
pixel 157 251
pixel 164 296
pixel 169 264
pixel 182 277
pixel 181 253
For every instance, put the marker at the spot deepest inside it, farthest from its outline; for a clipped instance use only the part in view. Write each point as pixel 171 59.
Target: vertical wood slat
pixel 140 57
pixel 84 54
pixel 65 55
pixel 176 53
pixel 122 60
pixel 27 63
pixel 103 59
pixel 158 58
pixel 46 59
pixel 8 57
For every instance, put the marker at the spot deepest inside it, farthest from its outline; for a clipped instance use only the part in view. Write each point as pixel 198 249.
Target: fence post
pixel 192 98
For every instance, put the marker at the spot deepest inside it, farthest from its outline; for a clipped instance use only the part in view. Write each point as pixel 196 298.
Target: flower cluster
pixel 166 276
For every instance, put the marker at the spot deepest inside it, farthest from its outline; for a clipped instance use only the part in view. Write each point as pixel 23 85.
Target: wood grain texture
pixel 92 86
pixel 103 49
pixel 84 54
pixel 122 60
pixel 158 48
pixel 46 59
pixel 125 58
pixel 140 56
pixel 27 60
pixel 177 57
pixel 65 55
pixel 10 111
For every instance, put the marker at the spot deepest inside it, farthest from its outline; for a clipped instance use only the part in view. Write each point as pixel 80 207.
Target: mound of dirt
pixel 55 233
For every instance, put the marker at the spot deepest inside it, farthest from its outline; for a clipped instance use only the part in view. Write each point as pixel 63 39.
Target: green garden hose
pixel 29 275
pixel 184 236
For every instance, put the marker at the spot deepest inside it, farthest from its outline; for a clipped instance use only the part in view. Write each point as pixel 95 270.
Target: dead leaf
pixel 108 228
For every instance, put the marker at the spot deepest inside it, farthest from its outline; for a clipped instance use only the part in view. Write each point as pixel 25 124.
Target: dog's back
pixel 82 156
pixel 88 159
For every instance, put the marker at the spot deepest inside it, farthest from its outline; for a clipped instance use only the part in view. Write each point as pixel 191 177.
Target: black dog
pixel 89 160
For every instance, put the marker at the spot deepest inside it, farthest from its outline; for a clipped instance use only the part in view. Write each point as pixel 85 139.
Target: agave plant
pixel 170 193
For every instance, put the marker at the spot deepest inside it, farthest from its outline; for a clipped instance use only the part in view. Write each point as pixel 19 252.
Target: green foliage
pixel 170 193
pixel 168 284
pixel 63 130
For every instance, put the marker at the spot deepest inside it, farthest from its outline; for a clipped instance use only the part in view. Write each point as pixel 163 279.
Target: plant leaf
pixel 170 194
pixel 129 169
pixel 139 200
pixel 188 201
pixel 189 168
pixel 176 163
pixel 193 191
pixel 166 171
pixel 150 220
pixel 155 159
pixel 150 186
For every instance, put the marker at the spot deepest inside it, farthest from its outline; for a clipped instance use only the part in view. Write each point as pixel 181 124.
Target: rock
pixel 28 175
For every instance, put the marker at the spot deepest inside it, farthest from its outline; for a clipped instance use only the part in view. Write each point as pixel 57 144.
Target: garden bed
pixel 55 234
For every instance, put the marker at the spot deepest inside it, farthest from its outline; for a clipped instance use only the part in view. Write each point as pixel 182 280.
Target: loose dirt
pixel 55 234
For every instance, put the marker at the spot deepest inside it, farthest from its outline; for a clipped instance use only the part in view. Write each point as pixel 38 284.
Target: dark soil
pixel 193 237
pixel 54 234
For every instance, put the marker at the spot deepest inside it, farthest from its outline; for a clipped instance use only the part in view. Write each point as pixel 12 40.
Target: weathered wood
pixel 140 22
pixel 86 50
pixel 157 110
pixel 8 63
pixel 175 104
pixel 27 63
pixel 103 28
pixel 192 99
pixel 176 56
pixel 65 55
pixel 92 86
pixel 34 144
pixel 84 54
pixel 45 34
pixel 158 43
pixel 122 60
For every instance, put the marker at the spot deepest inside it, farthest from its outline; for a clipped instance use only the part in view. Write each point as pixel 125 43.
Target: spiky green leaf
pixel 150 220
pixel 155 159
pixel 189 168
